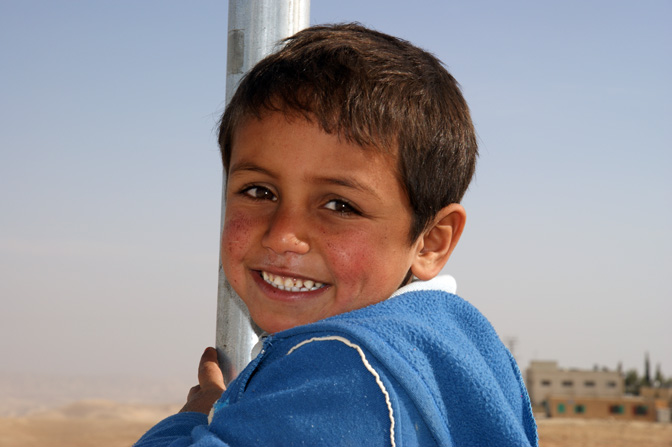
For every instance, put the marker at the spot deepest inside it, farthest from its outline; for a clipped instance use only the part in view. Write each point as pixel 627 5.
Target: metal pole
pixel 255 28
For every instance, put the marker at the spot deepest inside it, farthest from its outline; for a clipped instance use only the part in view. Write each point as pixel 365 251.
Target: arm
pixel 316 393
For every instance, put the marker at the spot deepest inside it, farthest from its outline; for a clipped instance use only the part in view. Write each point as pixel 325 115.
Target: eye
pixel 341 207
pixel 259 193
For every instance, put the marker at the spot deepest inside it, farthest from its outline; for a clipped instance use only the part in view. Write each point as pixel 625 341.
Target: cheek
pixel 236 237
pixel 353 255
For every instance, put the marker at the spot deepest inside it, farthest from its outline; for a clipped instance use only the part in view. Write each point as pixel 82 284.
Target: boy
pixel 347 154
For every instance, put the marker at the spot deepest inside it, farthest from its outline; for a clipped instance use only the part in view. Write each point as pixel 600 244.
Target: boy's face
pixel 314 226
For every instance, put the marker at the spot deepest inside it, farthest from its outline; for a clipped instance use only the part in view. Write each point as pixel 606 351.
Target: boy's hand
pixel 210 386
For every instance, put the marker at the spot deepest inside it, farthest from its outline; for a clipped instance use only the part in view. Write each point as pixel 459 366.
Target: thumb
pixel 209 374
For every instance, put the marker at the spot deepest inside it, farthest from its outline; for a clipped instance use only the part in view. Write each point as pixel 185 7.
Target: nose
pixel 286 232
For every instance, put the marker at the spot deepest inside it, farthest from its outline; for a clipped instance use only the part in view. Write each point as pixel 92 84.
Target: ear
pixel 438 241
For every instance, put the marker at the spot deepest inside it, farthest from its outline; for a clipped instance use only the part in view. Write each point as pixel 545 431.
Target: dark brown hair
pixel 374 90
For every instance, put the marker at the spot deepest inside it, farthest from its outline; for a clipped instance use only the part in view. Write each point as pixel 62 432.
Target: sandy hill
pixel 24 394
pixel 99 423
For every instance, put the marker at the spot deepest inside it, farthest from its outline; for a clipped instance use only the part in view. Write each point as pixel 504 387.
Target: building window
pixel 589 384
pixel 641 410
pixel 617 409
pixel 579 408
pixel 561 408
pixel 545 383
pixel 567 383
pixel 611 384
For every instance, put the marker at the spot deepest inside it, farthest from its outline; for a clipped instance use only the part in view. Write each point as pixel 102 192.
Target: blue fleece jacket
pixel 423 368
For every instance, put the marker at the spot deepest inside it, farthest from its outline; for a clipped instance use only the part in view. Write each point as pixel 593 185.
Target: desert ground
pixel 104 423
pixel 603 433
pixel 98 423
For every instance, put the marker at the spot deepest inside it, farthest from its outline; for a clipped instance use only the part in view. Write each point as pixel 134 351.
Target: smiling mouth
pixel 291 284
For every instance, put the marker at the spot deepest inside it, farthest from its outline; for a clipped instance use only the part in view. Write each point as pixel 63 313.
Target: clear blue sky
pixel 110 181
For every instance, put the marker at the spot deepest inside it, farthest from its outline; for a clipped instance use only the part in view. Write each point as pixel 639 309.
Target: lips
pixel 291 284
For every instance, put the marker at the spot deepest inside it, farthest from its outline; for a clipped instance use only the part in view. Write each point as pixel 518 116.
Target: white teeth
pixel 291 284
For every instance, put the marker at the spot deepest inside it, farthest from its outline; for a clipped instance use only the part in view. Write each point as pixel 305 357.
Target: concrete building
pixel 545 379
pixel 574 393
pixel 635 408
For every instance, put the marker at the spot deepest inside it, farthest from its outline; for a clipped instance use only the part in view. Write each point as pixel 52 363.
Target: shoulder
pixel 313 387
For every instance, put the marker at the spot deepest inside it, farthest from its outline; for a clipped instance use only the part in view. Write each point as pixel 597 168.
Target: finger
pixel 193 391
pixel 209 374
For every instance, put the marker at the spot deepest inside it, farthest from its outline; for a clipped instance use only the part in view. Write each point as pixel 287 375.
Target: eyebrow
pixel 249 166
pixel 348 182
pixel 345 181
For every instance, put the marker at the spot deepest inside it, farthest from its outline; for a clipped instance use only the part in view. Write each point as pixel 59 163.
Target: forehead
pixel 348 131
pixel 271 126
